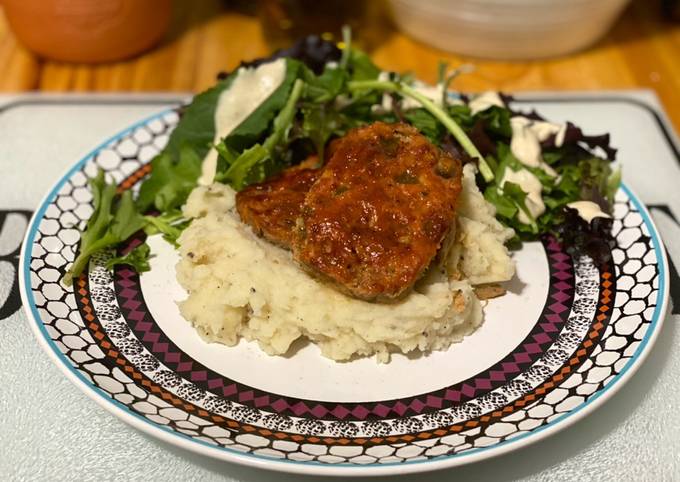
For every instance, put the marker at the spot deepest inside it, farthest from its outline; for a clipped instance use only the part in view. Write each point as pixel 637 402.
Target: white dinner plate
pixel 566 337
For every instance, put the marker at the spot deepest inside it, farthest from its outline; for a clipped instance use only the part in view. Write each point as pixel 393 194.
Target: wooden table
pixel 208 36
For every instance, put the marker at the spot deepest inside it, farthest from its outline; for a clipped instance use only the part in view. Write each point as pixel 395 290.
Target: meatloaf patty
pixel 272 207
pixel 379 211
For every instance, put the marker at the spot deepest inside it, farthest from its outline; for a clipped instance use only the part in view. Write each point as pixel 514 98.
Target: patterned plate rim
pixel 254 460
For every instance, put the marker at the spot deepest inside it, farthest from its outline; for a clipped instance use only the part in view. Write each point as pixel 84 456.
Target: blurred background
pixel 165 45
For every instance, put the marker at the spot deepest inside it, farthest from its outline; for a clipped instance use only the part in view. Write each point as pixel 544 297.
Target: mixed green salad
pixel 326 91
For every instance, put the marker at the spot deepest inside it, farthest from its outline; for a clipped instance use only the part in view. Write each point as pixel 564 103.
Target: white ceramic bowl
pixel 507 29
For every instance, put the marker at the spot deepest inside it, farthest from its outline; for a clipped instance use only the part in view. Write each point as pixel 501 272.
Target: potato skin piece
pixel 379 211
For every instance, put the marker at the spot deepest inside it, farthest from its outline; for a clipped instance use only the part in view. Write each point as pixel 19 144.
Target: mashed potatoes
pixel 240 285
pixel 479 253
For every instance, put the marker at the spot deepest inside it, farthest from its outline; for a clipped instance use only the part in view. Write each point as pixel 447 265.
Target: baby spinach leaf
pixel 253 164
pixel 196 128
pixel 259 121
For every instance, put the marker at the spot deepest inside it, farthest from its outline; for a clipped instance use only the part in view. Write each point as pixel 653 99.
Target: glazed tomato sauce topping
pixel 372 219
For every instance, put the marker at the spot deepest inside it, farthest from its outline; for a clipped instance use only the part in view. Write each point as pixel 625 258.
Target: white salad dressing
pixel 588 210
pixel 250 88
pixel 433 92
pixel 483 101
pixel 527 136
pixel 544 129
pixel 531 185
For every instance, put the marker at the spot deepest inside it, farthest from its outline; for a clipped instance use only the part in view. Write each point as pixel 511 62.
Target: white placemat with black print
pixel 50 429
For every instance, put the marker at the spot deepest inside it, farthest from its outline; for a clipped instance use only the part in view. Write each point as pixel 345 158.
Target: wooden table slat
pixel 640 51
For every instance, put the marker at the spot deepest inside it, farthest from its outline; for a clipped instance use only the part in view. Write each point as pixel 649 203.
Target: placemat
pixel 635 436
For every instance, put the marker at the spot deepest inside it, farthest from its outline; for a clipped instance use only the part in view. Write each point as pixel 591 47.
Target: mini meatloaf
pixel 379 211
pixel 273 207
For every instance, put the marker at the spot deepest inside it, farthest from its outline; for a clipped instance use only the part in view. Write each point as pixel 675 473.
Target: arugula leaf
pixel 361 66
pixel 171 181
pixel 170 224
pixel 325 87
pixel 504 206
pixel 552 156
pixel 496 121
pixel 126 220
pixel 112 222
pixel 138 259
pixel 243 171
pixel 325 114
pixel 426 123
pixel 319 123
pixel 91 238
pixel 515 193
pixel 461 114
pixel 225 154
